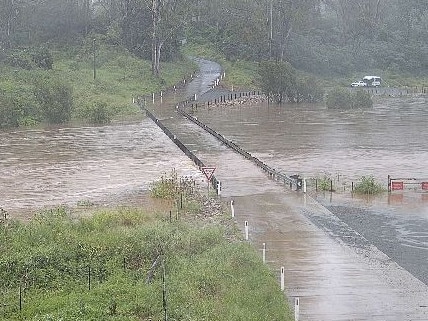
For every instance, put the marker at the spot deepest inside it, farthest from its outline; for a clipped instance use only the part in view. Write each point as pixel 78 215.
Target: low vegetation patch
pixel 368 185
pixel 129 264
pixel 341 98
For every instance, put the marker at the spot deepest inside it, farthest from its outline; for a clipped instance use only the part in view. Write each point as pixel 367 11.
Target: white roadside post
pixel 304 185
pixel 218 188
pixel 264 252
pixel 153 98
pixel 296 309
pixel 232 208
pixel 282 279
pixel 246 230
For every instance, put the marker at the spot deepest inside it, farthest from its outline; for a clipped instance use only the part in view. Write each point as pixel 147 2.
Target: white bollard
pixel 153 98
pixel 304 185
pixel 264 252
pixel 282 279
pixel 246 230
pixel 296 309
pixel 195 97
pixel 218 188
pixel 232 208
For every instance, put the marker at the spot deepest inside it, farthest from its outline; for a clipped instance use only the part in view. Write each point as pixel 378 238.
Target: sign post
pixel 208 172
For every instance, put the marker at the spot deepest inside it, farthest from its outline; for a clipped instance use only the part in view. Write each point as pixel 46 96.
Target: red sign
pixel 208 172
pixel 425 185
pixel 397 186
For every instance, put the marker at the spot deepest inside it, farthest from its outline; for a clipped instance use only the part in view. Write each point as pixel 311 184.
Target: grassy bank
pixel 111 265
pixel 110 78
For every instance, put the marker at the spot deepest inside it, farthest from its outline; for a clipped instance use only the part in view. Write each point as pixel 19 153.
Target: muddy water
pixel 366 262
pixel 48 167
pixel 334 268
pixel 309 139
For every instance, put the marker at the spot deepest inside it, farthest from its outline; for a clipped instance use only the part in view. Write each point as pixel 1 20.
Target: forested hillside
pixel 318 36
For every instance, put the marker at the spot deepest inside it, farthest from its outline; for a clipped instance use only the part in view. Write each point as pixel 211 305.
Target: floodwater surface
pixel 54 166
pixel 332 259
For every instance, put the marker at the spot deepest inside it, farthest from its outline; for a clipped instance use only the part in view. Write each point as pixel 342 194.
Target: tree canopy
pixel 318 36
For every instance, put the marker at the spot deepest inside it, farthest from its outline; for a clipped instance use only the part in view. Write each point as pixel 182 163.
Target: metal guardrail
pixel 183 147
pixel 273 173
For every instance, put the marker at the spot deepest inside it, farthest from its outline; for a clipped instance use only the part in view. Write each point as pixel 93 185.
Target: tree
pixel 290 16
pixel 277 79
pixel 168 18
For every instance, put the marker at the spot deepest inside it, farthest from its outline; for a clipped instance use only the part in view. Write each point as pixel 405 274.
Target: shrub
pixel 9 114
pixel 341 98
pixel 368 185
pixel 361 99
pixel 97 113
pixel 338 98
pixel 43 58
pixel 20 59
pixel 55 98
pixel 324 183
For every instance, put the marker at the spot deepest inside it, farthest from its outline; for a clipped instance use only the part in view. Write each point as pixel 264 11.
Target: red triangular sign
pixel 208 172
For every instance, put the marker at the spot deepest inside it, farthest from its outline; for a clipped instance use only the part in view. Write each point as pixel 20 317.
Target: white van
pixel 372 81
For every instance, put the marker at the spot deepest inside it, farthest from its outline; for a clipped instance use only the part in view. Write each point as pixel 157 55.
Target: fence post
pixel 89 277
pixel 20 297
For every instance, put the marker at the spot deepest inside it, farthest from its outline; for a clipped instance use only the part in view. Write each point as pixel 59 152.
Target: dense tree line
pixel 319 36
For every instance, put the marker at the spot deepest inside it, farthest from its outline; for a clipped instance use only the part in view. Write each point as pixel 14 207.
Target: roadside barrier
pixel 393 91
pixel 293 180
pixel 183 148
pixel 396 184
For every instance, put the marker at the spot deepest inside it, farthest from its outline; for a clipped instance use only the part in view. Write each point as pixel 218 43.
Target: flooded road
pixel 343 257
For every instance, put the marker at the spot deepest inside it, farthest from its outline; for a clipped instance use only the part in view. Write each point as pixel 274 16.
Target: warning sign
pixel 208 172
pixel 397 186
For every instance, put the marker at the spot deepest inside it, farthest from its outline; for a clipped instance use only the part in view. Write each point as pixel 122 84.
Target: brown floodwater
pixel 333 267
pixel 54 166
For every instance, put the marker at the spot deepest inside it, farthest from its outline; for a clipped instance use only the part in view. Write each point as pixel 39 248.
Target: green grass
pixel 208 276
pixel 119 77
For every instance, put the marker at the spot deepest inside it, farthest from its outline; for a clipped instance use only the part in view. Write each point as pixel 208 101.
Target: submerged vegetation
pixel 368 185
pixel 341 98
pixel 130 264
